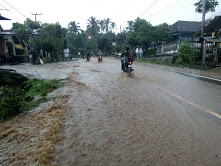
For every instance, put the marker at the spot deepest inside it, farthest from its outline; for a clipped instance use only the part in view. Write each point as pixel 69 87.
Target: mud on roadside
pixel 30 138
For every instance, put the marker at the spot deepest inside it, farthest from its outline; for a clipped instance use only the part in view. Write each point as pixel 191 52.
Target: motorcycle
pixel 127 65
pixel 99 58
pixel 88 57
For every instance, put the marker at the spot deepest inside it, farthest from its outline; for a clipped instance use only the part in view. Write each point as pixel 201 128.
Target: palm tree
pixel 93 26
pixel 102 25
pixel 107 24
pixel 129 28
pixel 113 26
pixel 74 27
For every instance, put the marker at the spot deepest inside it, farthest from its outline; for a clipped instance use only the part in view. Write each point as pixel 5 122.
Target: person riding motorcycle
pixel 125 56
pixel 100 53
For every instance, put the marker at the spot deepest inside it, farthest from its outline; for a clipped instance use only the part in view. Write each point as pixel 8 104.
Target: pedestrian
pixel 140 53
pixel 30 57
pixel 137 53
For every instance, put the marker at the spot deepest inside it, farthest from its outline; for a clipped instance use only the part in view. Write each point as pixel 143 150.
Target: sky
pixel 119 11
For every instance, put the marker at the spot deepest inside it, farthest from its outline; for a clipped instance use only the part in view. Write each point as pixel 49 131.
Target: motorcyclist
pixel 100 53
pixel 88 54
pixel 124 57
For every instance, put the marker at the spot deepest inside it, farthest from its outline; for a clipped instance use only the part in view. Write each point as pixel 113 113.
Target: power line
pixel 149 7
pixel 165 9
pixel 15 9
pixel 11 13
pixel 174 10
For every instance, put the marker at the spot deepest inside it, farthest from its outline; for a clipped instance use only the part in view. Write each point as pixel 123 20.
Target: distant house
pixel 11 45
pixel 181 31
pixel 185 30
pixel 212 36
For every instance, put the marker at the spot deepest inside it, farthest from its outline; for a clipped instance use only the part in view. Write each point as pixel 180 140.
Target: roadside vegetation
pixel 19 94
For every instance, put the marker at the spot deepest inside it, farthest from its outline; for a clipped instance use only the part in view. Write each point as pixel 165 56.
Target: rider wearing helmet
pixel 125 56
pixel 100 53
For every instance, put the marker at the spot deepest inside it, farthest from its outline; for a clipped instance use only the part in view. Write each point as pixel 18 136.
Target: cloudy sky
pixel 119 11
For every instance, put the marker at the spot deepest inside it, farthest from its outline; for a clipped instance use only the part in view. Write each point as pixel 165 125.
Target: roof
pixel 185 26
pixel 4 18
pixel 213 25
pixel 7 32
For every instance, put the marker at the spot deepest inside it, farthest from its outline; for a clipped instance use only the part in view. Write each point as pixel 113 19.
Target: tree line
pixel 54 38
pixel 98 35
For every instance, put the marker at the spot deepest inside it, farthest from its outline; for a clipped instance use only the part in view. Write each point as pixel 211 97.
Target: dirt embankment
pixel 30 138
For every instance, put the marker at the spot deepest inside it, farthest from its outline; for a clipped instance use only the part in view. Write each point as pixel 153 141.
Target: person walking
pixel 137 53
pixel 30 57
pixel 141 53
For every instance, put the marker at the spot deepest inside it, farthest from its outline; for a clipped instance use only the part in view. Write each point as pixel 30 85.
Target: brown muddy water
pixel 104 117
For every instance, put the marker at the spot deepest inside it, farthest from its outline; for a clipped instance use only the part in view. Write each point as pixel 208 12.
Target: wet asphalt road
pixel 154 117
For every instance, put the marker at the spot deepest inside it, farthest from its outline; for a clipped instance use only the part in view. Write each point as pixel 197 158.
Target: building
pixel 212 37
pixel 10 45
pixel 184 31
pixel 181 31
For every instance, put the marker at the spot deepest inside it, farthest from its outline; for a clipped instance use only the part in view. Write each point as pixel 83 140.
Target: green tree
pixel 113 26
pixel 102 26
pixel 141 35
pixel 50 38
pixel 162 33
pixel 107 23
pixel 26 30
pixel 93 26
pixel 210 6
pixel 92 30
pixel 105 41
pixel 129 27
pixel 74 27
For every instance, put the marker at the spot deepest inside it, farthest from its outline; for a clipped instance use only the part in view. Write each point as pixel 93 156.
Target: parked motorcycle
pixel 100 58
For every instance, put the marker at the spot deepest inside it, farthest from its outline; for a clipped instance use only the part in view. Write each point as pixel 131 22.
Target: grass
pixel 19 95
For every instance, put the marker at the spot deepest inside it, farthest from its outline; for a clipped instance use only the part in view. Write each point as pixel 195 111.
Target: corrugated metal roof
pixel 185 26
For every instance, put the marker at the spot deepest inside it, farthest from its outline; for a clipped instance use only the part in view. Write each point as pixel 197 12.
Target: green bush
pixel 16 97
pixel 188 53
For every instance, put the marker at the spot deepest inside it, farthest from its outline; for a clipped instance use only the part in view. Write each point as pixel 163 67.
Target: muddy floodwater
pixel 104 117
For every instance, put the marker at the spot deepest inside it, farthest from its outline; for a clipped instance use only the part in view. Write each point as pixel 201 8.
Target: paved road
pixel 154 117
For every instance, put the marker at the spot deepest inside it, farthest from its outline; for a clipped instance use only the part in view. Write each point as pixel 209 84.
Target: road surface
pixel 153 117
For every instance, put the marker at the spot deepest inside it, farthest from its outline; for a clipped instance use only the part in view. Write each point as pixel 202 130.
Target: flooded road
pixel 154 117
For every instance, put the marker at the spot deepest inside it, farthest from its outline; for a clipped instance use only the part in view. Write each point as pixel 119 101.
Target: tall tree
pixel 102 25
pixel 26 30
pixel 93 26
pixel 129 27
pixel 210 5
pixel 107 24
pixel 93 29
pixel 113 26
pixel 74 27
pixel 162 33
pixel 142 34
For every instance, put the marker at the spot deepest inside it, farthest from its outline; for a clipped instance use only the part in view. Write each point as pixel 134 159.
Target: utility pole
pixel 203 42
pixel 36 15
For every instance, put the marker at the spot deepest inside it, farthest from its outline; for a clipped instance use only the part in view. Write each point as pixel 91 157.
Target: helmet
pixel 127 47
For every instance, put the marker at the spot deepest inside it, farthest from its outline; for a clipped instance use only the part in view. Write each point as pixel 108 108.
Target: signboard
pixel 114 44
pixel 66 53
